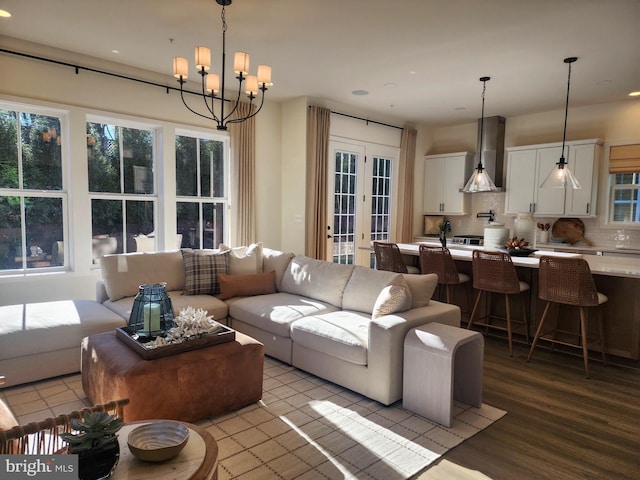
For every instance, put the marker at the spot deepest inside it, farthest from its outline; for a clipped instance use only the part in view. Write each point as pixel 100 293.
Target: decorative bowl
pixel 158 441
pixel 521 252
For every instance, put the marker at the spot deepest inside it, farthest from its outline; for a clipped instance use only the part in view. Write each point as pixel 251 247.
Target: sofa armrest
pixel 386 344
pixel 101 292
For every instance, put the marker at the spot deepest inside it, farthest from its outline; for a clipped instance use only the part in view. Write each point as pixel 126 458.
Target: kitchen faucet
pixel 489 215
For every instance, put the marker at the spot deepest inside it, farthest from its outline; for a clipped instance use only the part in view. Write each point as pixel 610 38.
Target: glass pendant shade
pixel 480 181
pixel 561 177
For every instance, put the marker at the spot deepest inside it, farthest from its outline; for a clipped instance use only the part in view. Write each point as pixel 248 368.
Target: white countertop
pixel 600 265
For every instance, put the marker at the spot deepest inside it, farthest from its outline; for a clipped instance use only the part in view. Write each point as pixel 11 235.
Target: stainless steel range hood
pixel 493 150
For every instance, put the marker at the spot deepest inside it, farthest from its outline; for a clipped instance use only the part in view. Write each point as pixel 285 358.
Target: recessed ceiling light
pixel 634 94
pixel 360 92
pixel 4 13
pixel 115 51
pixel 412 72
pixel 390 85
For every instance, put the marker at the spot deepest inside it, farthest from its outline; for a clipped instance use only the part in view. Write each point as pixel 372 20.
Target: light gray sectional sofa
pixel 343 323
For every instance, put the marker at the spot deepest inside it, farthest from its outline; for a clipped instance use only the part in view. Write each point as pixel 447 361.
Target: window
pixel 625 197
pixel 201 190
pixel 121 162
pixel 32 195
pixel 624 178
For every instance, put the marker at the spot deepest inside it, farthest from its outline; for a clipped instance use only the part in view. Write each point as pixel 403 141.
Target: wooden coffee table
pixel 197 461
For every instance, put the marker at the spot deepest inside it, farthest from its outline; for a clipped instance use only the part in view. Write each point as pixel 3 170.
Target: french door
pixel 362 191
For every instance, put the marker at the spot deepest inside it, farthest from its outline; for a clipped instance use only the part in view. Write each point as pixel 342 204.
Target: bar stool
pixel 438 260
pixel 494 272
pixel 389 258
pixel 568 281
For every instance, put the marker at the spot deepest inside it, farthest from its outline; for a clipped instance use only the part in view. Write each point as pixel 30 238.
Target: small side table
pixel 441 363
pixel 197 461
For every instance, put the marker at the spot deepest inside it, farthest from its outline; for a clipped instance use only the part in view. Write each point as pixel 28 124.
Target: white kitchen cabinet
pixel 527 168
pixel 443 180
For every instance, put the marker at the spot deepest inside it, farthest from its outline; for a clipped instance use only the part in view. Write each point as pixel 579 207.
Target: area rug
pixel 307 428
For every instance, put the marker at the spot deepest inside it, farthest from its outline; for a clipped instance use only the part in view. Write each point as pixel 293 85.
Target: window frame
pixel 63 193
pixel 609 189
pixel 225 201
pixel 123 196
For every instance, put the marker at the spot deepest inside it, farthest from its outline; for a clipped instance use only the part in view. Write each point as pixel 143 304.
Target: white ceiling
pixel 420 60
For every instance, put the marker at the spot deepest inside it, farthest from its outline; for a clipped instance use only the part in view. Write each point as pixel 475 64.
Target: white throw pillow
pixel 422 288
pixel 244 260
pixel 395 297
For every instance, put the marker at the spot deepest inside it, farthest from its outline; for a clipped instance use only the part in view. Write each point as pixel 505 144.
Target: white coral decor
pixel 190 324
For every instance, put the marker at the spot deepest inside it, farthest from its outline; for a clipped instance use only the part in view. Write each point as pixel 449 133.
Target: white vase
pixel 524 226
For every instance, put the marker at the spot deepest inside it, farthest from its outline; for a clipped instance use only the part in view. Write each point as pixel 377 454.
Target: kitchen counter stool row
pixel 562 281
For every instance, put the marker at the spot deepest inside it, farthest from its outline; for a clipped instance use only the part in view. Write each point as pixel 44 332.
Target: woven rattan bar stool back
pixel 494 272
pixel 438 260
pixel 568 281
pixel 389 258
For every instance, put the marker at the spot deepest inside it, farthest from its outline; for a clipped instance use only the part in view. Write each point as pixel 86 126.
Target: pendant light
pixel 480 181
pixel 561 176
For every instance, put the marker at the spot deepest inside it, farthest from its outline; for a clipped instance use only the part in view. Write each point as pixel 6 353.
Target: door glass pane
pixel 380 199
pixel 344 211
pixel 8 149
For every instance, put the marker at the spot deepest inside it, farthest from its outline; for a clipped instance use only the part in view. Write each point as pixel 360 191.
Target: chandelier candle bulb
pixel 252 85
pixel 264 75
pixel 213 83
pixel 180 67
pixel 203 58
pixel 241 63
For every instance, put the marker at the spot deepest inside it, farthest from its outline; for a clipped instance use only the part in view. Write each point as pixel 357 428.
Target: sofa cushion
pixel 363 288
pixel 275 313
pixel 324 281
pixel 395 297
pixel 124 273
pixel 245 285
pixel 212 305
pixel 201 271
pixel 342 334
pixel 422 288
pixel 277 261
pixel 244 260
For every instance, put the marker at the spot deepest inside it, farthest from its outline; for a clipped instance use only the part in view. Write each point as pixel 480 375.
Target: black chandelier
pixel 213 85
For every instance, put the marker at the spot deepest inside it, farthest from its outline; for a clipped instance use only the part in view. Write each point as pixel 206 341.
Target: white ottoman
pixel 441 363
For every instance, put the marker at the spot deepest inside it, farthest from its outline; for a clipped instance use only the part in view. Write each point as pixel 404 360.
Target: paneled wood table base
pixel 197 461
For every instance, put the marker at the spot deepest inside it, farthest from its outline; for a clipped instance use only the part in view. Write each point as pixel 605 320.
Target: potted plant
pixel 96 444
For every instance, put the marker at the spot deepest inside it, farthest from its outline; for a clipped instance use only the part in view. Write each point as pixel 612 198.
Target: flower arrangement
pixel 190 324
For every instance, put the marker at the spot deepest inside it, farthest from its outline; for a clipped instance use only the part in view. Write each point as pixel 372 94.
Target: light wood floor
pixel 559 425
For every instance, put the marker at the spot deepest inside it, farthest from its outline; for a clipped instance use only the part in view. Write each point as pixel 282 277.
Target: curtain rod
pixel 364 119
pixel 95 70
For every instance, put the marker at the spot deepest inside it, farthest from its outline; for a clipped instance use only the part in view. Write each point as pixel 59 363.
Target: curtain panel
pixel 404 222
pixel 243 172
pixel 318 121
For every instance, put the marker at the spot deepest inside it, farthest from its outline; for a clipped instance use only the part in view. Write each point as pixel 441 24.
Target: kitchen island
pixel 616 277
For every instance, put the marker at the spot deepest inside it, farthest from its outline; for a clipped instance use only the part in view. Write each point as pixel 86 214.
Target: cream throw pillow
pixel 395 297
pixel 422 288
pixel 244 260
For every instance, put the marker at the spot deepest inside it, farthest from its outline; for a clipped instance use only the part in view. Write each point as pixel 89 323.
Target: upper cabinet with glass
pixel 528 166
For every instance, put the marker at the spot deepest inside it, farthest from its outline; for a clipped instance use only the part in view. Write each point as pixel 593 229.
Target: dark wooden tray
pixel 124 334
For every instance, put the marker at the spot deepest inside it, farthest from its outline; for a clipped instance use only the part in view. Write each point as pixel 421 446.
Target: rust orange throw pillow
pixel 245 285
